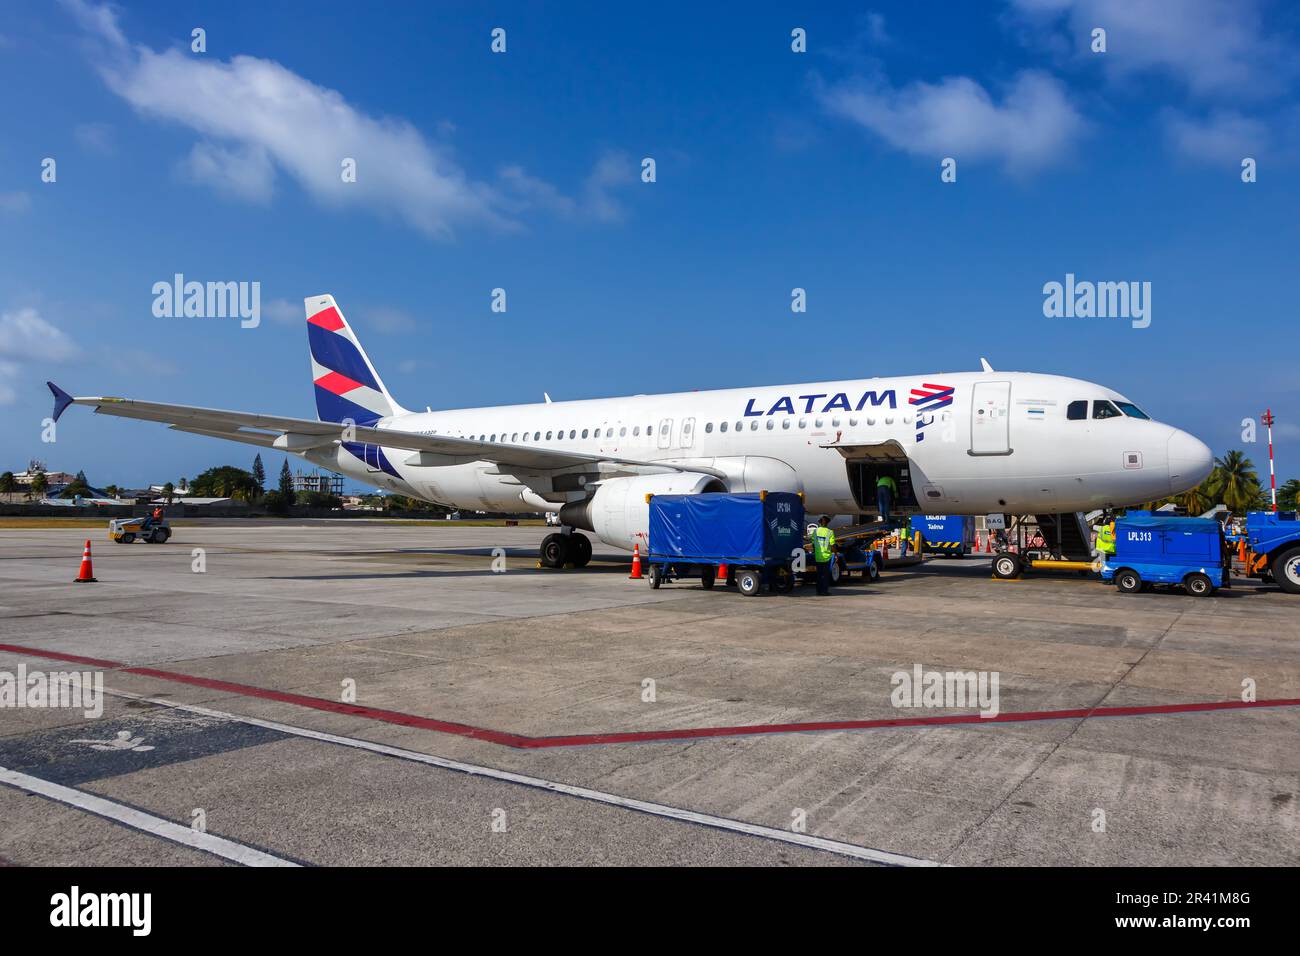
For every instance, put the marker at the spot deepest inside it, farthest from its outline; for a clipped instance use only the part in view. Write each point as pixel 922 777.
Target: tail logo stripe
pixel 327 319
pixel 337 354
pixel 338 383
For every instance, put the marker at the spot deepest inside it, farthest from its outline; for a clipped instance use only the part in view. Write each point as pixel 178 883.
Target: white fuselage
pixel 975 443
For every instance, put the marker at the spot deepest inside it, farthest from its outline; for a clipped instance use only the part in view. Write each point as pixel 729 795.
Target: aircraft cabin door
pixel 688 432
pixel 666 433
pixel 990 419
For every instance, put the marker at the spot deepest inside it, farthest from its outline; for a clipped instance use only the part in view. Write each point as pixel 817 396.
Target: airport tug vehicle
pixel 126 530
pixel 1273 540
pixel 755 537
pixel 1155 549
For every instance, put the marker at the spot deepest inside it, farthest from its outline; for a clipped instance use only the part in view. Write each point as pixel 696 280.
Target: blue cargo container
pixel 1274 542
pixel 754 535
pixel 945 534
pixel 1154 549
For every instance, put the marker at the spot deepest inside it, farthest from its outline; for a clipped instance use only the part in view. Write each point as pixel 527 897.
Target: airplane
pixel 982 442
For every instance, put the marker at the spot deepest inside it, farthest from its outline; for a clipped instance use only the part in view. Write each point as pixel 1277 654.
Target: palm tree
pixel 39 484
pixel 1287 495
pixel 7 484
pixel 1234 481
pixel 1196 501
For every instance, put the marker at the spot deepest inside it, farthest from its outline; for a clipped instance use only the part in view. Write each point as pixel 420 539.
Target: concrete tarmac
pixel 377 694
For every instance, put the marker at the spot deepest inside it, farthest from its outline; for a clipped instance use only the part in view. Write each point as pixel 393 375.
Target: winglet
pixel 985 362
pixel 61 400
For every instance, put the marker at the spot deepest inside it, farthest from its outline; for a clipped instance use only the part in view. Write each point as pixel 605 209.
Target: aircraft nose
pixel 1190 462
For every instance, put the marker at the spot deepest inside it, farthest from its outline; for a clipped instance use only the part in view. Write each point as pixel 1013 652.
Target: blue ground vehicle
pixel 1274 543
pixel 754 535
pixel 945 534
pixel 1156 549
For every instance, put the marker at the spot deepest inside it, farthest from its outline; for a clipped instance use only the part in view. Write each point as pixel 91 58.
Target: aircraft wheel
pixel 579 550
pixel 1286 570
pixel 554 551
pixel 1006 566
pixel 748 582
pixel 1128 581
pixel 1198 585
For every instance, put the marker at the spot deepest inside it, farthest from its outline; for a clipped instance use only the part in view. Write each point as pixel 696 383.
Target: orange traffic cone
pixel 884 550
pixel 1241 550
pixel 723 571
pixel 636 563
pixel 87 573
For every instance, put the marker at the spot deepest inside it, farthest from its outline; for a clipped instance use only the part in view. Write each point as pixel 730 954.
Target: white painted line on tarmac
pixel 139 820
pixel 537 783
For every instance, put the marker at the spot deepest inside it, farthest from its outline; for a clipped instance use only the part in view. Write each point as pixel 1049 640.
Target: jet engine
pixel 618 513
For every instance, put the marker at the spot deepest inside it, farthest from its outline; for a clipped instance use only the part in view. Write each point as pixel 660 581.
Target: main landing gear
pixel 565 550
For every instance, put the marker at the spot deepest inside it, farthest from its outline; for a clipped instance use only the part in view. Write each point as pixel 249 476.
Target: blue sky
pixel 521 170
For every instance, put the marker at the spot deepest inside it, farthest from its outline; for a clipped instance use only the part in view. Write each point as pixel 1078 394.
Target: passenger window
pixel 803 423
pixel 1077 411
pixel 636 432
pixel 573 433
pixel 785 423
pixel 537 436
pixel 1105 410
pixel 584 433
pixel 708 428
pixel 622 432
pixel 753 426
pixel 770 424
pixel 548 435
pixel 722 427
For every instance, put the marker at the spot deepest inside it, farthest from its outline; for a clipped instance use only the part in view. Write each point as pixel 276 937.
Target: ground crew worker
pixel 886 492
pixel 1106 538
pixel 823 553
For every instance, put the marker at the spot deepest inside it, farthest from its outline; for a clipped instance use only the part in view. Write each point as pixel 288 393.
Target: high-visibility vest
pixel 823 541
pixel 886 482
pixel 1106 539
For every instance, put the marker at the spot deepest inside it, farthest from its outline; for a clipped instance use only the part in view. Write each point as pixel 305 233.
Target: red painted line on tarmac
pixel 524 742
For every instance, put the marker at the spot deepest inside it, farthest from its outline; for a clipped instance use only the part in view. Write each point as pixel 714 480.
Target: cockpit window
pixel 1132 411
pixel 1077 411
pixel 1101 409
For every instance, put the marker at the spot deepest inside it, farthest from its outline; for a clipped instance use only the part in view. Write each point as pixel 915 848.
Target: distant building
pixel 55 478
pixel 325 482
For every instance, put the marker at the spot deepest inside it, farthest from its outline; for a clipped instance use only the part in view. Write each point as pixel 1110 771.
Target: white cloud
pixel 244 172
pixel 285 312
pixel 96 137
pixel 1032 126
pixel 259 118
pixel 15 202
pixel 26 337
pixel 1213 47
pixel 1224 136
pixel 613 171
pixel 596 199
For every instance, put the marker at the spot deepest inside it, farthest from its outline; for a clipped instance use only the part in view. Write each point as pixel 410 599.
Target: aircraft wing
pixel 301 434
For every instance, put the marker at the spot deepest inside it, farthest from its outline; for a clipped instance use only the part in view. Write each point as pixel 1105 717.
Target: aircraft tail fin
pixel 347 386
